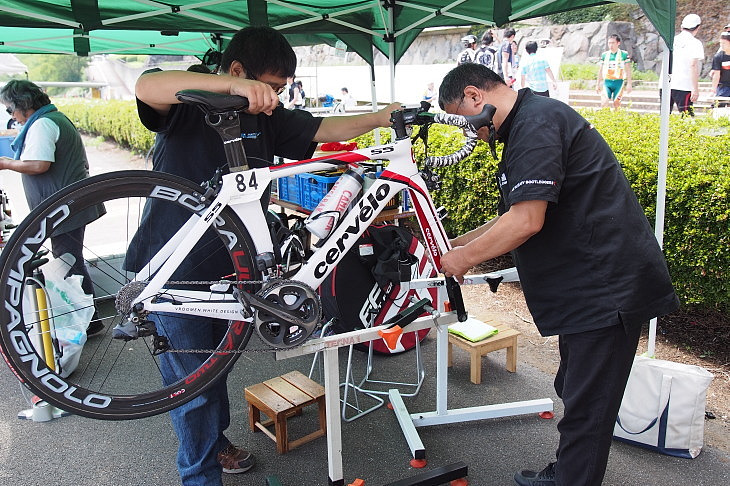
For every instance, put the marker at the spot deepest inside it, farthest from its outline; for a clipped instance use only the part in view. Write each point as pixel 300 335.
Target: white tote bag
pixel 663 408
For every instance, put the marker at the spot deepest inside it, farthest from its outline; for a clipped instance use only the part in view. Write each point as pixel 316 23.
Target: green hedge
pixel 697 221
pixel 114 119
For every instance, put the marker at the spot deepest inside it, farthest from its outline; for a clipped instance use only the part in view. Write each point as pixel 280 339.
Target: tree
pixel 55 67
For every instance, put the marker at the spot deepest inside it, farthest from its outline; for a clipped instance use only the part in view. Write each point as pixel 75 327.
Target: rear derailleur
pixel 129 331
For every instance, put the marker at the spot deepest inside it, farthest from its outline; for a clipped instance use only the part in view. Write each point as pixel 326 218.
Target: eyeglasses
pixel 278 88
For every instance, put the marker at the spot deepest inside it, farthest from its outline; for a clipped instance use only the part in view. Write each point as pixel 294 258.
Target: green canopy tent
pixel 390 26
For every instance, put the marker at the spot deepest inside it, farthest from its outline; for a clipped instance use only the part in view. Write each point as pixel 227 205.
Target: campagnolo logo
pixel 16 330
pixel 366 208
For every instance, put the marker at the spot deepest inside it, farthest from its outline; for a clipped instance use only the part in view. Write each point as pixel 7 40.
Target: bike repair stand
pixel 42 411
pixel 368 388
pixel 329 346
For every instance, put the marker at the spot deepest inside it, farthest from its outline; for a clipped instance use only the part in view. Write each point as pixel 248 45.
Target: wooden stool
pixel 505 338
pixel 280 398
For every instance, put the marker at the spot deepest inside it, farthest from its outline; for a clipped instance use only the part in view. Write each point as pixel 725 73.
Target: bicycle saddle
pixel 212 103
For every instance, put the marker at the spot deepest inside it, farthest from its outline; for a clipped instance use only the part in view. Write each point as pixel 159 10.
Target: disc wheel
pixel 116 379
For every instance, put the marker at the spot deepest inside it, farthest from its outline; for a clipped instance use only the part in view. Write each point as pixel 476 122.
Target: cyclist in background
pixel 256 64
pixel 469 53
pixel 614 73
pixel 487 54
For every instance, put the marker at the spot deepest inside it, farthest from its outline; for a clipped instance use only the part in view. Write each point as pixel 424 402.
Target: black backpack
pixel 367 284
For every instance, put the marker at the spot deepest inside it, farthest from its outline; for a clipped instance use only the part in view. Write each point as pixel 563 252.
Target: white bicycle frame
pixel 243 190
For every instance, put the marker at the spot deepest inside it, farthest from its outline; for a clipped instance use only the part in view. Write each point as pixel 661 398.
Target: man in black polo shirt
pixel 256 64
pixel 589 264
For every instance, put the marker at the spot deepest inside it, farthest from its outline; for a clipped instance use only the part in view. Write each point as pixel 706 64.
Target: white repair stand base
pixel 42 411
pixel 442 415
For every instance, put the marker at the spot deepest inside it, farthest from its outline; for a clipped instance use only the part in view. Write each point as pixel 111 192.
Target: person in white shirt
pixel 347 100
pixel 687 58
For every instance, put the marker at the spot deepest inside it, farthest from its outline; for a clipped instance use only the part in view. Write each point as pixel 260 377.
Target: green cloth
pixel 473 330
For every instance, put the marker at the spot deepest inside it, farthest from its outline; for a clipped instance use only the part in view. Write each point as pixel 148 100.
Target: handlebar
pixel 470 125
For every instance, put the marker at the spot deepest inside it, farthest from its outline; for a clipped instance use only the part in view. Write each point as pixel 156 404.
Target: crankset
pixel 287 312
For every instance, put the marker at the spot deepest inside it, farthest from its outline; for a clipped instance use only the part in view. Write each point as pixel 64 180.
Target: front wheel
pixel 116 379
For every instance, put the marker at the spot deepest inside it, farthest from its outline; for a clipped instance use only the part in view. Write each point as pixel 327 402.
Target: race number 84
pixel 241 183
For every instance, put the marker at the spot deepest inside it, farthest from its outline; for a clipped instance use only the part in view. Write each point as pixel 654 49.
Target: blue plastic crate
pixel 313 187
pixel 289 189
pixel 5 149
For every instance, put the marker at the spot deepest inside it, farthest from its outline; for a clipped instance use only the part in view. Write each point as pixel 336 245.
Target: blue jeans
pixel 198 424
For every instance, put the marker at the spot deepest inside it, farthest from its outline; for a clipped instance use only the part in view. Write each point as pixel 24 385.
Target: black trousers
pixel 594 369
pixel 73 243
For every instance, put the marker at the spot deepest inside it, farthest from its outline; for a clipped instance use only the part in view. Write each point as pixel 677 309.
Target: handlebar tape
pixel 470 125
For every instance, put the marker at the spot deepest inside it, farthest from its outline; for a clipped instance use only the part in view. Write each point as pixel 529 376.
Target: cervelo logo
pixel 366 208
pixel 16 329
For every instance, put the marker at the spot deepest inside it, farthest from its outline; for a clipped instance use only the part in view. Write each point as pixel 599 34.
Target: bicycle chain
pixel 218 351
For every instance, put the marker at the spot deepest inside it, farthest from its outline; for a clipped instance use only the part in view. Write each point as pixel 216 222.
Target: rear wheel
pixel 114 379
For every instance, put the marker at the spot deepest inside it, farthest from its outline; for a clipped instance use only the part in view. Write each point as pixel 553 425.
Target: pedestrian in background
pixel 487 54
pixel 469 53
pixel 687 58
pixel 536 71
pixel 430 94
pixel 347 100
pixel 614 73
pixel 50 155
pixel 721 70
pixel 504 57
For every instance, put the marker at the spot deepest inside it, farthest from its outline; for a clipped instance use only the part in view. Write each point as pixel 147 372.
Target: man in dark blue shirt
pixel 256 64
pixel 590 267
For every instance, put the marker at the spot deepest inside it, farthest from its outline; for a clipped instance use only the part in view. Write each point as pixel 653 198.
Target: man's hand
pixel 454 263
pixel 695 94
pixel 261 97
pixel 384 114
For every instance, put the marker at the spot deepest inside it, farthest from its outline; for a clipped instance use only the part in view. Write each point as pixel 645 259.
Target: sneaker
pixel 235 460
pixel 546 477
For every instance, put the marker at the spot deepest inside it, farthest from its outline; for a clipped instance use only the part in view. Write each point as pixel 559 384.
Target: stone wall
pixel 581 43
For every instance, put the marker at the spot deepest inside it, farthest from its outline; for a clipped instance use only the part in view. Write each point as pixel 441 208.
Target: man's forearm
pixel 473 234
pixel 339 128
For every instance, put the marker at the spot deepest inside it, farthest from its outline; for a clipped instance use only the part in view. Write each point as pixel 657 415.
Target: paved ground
pixel 82 452
pixel 74 451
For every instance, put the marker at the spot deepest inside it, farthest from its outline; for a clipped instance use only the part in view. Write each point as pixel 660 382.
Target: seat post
pixel 229 129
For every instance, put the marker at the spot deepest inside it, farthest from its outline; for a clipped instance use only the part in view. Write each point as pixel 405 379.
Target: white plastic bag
pixel 663 408
pixel 70 310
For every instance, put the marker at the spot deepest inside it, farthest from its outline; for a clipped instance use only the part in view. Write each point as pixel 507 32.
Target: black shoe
pixel 95 326
pixel 546 477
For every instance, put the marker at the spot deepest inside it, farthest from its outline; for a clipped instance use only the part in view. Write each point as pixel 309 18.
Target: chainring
pixel 295 299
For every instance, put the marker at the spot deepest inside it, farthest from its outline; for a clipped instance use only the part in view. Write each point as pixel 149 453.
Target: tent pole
pixel 391 48
pixel 661 186
pixel 374 96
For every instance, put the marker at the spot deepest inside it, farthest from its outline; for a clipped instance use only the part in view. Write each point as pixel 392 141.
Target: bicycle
pixel 112 379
